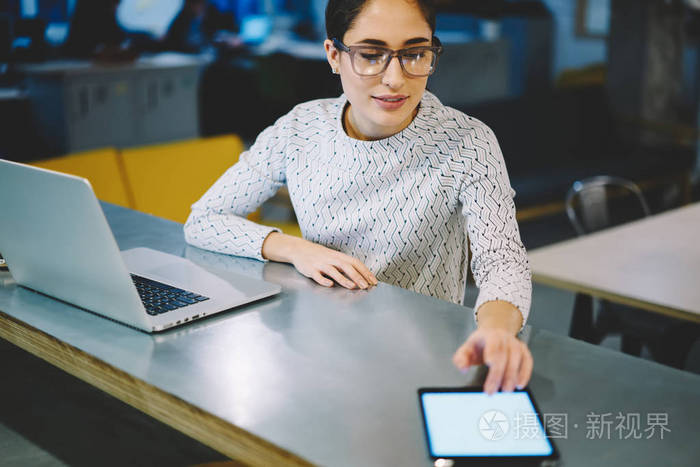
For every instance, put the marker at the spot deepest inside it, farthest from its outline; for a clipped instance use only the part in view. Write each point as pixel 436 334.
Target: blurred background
pixel 571 87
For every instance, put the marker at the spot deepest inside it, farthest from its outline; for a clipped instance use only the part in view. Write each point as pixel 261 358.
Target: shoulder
pixel 304 124
pixel 315 117
pixel 453 123
pixel 456 136
pixel 322 113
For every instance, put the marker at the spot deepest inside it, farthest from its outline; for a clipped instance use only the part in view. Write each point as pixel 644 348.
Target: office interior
pixel 166 94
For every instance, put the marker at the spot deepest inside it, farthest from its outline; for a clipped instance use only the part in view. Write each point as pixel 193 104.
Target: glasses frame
pixel 353 49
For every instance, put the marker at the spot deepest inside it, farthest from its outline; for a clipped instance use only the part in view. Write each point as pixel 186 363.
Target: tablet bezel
pixel 490 460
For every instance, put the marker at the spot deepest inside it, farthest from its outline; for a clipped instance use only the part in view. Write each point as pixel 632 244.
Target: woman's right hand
pixel 318 262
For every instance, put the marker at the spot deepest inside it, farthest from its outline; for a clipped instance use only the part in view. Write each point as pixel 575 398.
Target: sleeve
pixel 217 221
pixel 499 261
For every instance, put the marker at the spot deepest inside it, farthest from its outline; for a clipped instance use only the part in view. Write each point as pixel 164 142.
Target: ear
pixel 332 55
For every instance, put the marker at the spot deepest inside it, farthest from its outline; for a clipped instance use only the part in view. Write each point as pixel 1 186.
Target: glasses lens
pixel 418 61
pixel 369 61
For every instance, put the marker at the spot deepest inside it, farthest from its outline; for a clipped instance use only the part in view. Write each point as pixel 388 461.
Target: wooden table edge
pixel 613 297
pixel 222 436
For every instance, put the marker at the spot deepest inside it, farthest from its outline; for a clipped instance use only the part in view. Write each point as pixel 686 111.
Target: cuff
pixel 257 236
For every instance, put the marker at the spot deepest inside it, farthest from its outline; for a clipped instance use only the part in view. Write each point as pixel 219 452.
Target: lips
pixel 390 102
pixel 391 98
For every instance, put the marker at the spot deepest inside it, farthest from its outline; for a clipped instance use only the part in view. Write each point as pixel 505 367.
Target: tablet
pixel 466 426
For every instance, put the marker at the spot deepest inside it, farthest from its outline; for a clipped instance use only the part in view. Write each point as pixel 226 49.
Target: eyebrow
pixel 415 40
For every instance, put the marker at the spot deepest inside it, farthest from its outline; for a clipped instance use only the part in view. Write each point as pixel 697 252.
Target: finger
pixel 338 277
pixel 515 357
pixel 319 278
pixel 495 357
pixel 466 354
pixel 350 271
pixel 364 270
pixel 525 368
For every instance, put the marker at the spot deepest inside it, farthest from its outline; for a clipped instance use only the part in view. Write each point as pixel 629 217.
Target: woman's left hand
pixel 495 344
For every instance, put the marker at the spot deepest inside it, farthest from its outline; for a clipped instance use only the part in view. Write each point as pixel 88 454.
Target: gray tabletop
pixel 657 269
pixel 331 374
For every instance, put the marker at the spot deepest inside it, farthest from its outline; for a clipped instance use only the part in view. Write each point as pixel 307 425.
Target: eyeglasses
pixel 372 60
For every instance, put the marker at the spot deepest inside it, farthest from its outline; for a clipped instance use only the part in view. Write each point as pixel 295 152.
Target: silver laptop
pixel 56 241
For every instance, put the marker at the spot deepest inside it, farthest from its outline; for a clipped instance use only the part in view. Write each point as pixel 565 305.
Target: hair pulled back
pixel 341 15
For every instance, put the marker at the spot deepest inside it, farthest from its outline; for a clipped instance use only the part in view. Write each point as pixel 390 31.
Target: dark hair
pixel 341 14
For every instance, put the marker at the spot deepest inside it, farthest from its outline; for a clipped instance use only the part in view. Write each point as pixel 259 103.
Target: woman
pixel 385 180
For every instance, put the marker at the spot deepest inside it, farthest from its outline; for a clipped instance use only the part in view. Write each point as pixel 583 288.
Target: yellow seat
pixel 101 167
pixel 166 179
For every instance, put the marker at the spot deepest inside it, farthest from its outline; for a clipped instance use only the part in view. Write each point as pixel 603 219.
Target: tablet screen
pixel 474 424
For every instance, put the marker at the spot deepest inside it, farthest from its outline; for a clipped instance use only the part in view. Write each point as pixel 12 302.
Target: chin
pixel 391 118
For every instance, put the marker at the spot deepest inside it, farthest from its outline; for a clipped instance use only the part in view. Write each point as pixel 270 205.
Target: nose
pixel 393 75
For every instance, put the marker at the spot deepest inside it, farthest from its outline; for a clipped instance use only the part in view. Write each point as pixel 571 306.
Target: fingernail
pixel 363 284
pixel 463 369
pixel 519 386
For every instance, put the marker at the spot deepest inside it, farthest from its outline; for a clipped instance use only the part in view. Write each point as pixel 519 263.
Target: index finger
pixel 351 271
pixel 495 356
pixel 364 270
pixel 525 369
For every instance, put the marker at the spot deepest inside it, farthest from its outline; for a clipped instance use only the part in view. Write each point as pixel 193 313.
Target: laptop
pixel 56 241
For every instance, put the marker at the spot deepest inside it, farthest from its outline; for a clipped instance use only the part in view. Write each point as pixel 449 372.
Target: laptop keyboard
pixel 159 298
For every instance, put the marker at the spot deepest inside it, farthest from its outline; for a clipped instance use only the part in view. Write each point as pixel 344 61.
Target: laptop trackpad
pixel 176 273
pixel 193 278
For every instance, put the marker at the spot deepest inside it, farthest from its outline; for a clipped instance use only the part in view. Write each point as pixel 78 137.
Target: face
pixel 395 24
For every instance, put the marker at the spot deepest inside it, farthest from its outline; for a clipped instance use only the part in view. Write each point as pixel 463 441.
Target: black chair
pixel 598 203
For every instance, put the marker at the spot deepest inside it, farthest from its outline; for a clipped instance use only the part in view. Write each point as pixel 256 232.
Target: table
pixel 652 263
pixel 329 376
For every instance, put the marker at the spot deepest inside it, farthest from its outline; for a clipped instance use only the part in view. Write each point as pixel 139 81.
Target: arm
pixel 217 220
pixel 500 268
pixel 501 315
pixel 499 261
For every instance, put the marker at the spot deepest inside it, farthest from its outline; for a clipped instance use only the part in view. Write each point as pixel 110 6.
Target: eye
pixel 371 56
pixel 415 55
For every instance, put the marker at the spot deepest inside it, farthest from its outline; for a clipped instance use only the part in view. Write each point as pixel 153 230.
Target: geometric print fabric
pixel 402 205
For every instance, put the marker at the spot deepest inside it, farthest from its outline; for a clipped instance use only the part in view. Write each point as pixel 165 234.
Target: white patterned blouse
pixel 402 205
